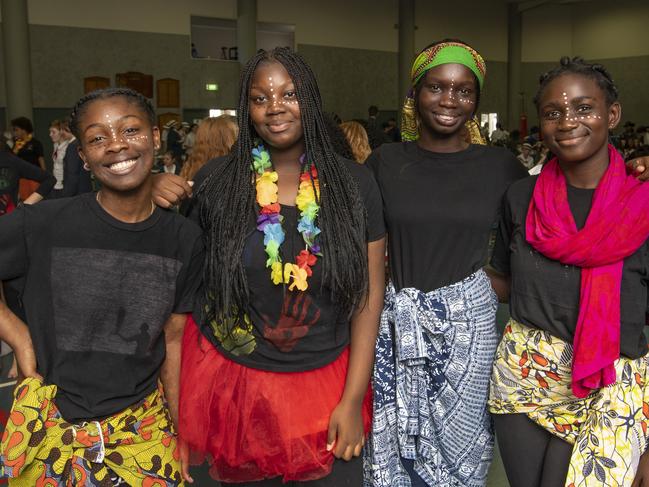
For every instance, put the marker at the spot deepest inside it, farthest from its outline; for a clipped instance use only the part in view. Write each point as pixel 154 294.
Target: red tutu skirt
pixel 253 424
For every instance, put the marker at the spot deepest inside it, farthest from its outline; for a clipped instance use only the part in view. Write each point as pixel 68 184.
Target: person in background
pixel 175 141
pixel 499 136
pixel 77 178
pixel 169 163
pixel 214 137
pixel 391 131
pixel 357 138
pixel 190 138
pixel 28 149
pixel 57 156
pixel 525 157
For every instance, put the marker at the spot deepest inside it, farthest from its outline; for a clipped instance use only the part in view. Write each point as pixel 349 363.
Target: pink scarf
pixel 617 225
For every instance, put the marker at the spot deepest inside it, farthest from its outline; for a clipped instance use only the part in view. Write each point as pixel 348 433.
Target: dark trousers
pixel 343 474
pixel 533 457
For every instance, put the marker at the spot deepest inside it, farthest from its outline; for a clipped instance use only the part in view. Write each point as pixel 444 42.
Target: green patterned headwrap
pixel 443 53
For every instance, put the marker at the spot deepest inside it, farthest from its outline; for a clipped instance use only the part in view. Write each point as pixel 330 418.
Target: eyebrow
pixel 101 125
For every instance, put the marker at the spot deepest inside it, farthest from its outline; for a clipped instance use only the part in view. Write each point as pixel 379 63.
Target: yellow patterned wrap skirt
pixel 532 375
pixel 39 448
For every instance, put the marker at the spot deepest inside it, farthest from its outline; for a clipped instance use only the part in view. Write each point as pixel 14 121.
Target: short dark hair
pixel 23 123
pixel 577 65
pixel 131 96
pixel 373 110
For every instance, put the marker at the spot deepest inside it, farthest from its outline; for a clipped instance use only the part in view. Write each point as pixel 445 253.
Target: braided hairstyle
pixel 577 65
pixel 420 83
pixel 131 96
pixel 227 202
pixel 337 138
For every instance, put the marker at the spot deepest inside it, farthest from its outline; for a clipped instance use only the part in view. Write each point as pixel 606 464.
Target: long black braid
pixel 227 199
pixel 577 65
pixel 131 96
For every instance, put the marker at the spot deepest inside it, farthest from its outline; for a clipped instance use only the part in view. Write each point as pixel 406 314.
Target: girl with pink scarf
pixel 569 390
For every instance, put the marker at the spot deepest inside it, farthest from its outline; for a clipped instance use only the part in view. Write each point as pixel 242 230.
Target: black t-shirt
pixel 97 294
pixel 12 169
pixel 440 209
pixel 31 151
pixel 293 330
pixel 545 293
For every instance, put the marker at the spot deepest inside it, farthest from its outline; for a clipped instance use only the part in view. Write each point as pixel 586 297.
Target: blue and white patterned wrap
pixel 431 381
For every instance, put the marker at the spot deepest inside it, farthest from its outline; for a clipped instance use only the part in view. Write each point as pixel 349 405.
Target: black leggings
pixel 533 457
pixel 343 474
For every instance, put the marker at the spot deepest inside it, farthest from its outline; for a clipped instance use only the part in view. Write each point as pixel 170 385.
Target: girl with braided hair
pixel 278 357
pixel 437 335
pixel 109 278
pixel 569 390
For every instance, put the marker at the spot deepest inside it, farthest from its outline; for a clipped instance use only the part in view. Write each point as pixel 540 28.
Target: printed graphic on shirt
pixel 7 175
pixel 6 204
pixel 98 298
pixel 299 314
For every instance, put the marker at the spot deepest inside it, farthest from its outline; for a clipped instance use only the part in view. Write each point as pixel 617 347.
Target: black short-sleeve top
pixel 440 209
pixel 545 293
pixel 290 331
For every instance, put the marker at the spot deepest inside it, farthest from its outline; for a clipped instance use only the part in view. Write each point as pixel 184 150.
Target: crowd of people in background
pixel 301 362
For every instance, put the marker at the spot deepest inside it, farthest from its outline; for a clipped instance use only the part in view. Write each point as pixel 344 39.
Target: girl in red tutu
pixel 278 356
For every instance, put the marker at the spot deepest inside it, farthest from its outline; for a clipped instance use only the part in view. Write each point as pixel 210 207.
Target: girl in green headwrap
pixel 437 338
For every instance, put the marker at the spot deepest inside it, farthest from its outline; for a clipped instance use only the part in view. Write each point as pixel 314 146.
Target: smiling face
pixel 118 143
pixel 576 118
pixel 446 99
pixel 274 110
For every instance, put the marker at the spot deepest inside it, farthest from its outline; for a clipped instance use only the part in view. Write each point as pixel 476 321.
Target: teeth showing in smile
pixel 122 166
pixel 446 118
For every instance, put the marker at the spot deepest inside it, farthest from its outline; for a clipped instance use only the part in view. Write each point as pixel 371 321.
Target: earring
pixel 86 166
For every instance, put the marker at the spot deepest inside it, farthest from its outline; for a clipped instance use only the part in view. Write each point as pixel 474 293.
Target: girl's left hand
pixel 638 167
pixel 642 474
pixel 346 436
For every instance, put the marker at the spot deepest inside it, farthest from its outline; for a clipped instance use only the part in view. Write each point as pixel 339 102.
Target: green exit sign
pixel 211 87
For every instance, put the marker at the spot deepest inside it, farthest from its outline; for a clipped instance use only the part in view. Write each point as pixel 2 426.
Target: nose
pixel 117 142
pixel 567 123
pixel 275 106
pixel 448 98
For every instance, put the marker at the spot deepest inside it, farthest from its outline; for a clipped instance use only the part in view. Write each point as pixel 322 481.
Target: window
pixel 213 38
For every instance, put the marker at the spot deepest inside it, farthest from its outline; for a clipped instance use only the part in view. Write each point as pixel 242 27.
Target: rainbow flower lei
pixel 269 221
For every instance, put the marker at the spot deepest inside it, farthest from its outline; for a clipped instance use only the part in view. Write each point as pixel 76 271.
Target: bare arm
pixel 501 284
pixel 346 435
pixel 170 372
pixel 16 334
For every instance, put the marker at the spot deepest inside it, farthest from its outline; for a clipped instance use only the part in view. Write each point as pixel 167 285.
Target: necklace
pixel 269 221
pixel 99 202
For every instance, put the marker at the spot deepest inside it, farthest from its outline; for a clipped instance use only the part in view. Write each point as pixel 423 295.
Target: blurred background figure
pixel 358 141
pixel 215 136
